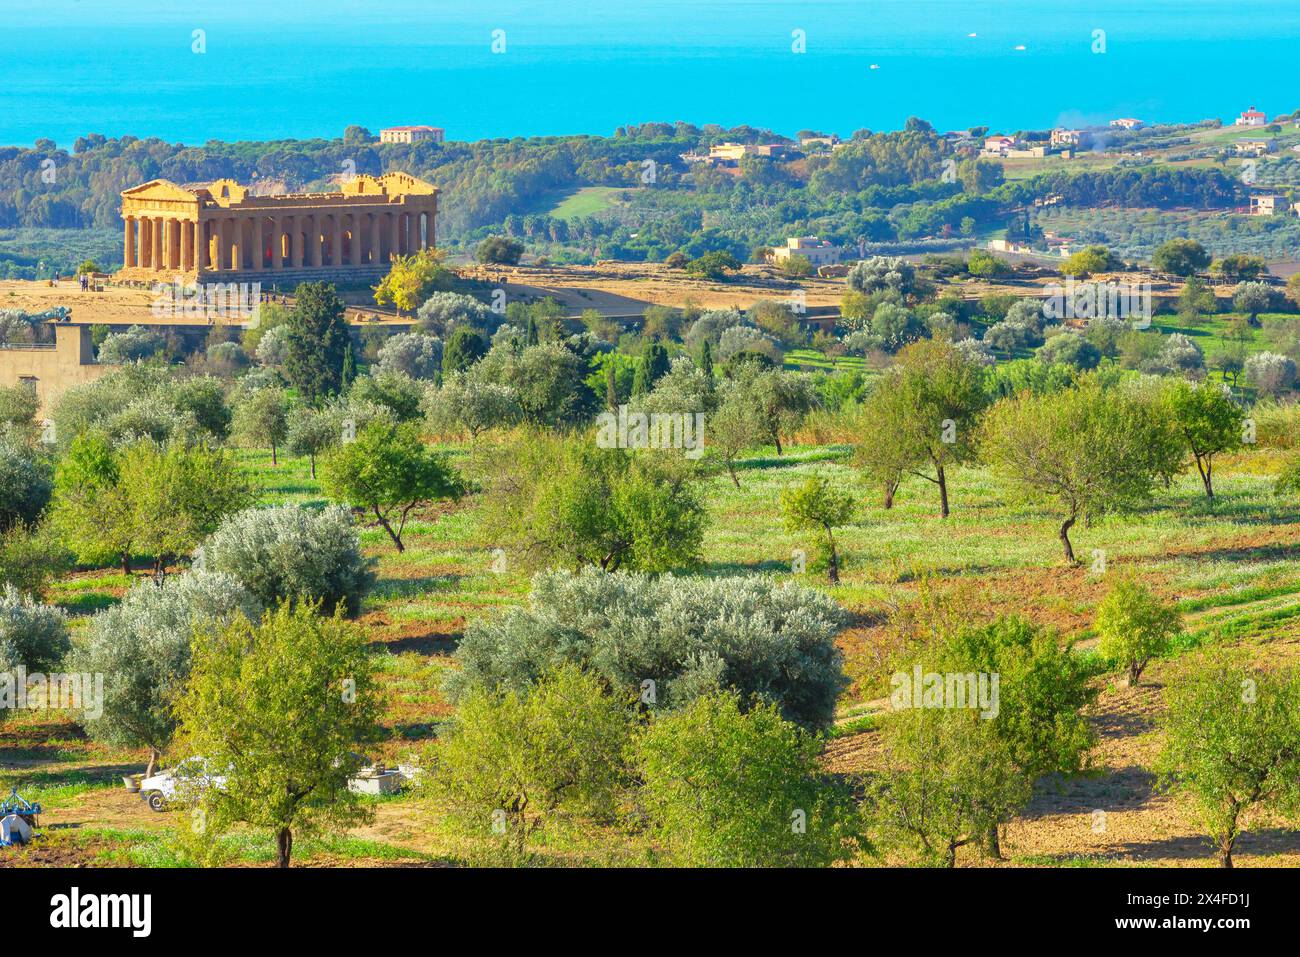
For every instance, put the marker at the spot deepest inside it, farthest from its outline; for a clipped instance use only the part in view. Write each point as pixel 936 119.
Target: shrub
pixel 291 554
pixel 25 484
pixel 688 636
pixel 134 345
pixel 142 647
pixel 411 354
pixel 32 635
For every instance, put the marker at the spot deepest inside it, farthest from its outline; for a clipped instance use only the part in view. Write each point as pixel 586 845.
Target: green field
pixel 1232 568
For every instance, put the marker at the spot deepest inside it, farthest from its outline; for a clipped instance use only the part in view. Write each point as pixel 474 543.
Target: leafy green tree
pixel 317 341
pixel 715 265
pixel 92 508
pixel 1195 300
pixel 142 647
pixel 262 419
pixel 1182 257
pixel 545 756
pixel 1210 422
pixel 1091 450
pixel 278 705
pixel 465 347
pixel 951 782
pixel 1043 691
pixel 1134 626
pixel 178 496
pixel 499 249
pixel 730 787
pixel 411 279
pixel 817 504
pixel 1087 261
pixel 311 432
pixel 1232 746
pixel 389 471
pixel 939 396
pixel 564 501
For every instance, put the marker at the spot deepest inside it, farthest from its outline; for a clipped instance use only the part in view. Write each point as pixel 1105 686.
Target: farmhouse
pixel 1252 117
pixel 817 251
pixel 1127 123
pixel 221 230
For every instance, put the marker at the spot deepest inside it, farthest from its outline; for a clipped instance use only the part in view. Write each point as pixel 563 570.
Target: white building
pixel 411 134
pixel 1252 117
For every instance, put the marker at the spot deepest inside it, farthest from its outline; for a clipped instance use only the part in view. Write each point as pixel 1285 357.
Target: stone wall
pixel 52 370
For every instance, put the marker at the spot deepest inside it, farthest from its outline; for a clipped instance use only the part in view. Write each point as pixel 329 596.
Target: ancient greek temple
pixel 221 229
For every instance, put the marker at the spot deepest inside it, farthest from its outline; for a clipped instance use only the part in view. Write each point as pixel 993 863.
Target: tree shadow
pixel 1116 789
pixel 1264 841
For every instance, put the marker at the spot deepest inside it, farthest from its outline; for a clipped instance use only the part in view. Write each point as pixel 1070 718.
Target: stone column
pixel 395 240
pixel 128 241
pixel 277 241
pixel 355 253
pixel 336 240
pixel 376 240
pixel 299 246
pixel 174 247
pixel 197 236
pixel 417 240
pixel 259 240
pixel 146 242
pixel 158 261
pixel 315 239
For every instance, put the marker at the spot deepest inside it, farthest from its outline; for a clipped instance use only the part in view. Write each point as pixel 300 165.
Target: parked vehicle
pixel 184 783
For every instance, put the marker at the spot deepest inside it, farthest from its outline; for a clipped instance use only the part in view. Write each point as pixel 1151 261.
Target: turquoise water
pixel 294 69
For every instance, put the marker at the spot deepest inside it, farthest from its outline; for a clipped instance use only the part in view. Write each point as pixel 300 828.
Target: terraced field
pixel 1231 567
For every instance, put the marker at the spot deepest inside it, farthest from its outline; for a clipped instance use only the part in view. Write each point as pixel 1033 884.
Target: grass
pixel 1230 566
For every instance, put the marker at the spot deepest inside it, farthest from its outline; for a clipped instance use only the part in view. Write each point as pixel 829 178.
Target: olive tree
pixel 1232 746
pixel 142 648
pixel 1089 449
pixel 669 639
pixel 291 554
pixel 277 704
pixel 388 471
pixel 32 636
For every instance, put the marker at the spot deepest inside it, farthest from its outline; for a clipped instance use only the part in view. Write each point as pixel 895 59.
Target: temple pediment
pixel 160 190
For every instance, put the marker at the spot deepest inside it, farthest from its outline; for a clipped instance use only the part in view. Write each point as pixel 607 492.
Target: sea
pixel 194 71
